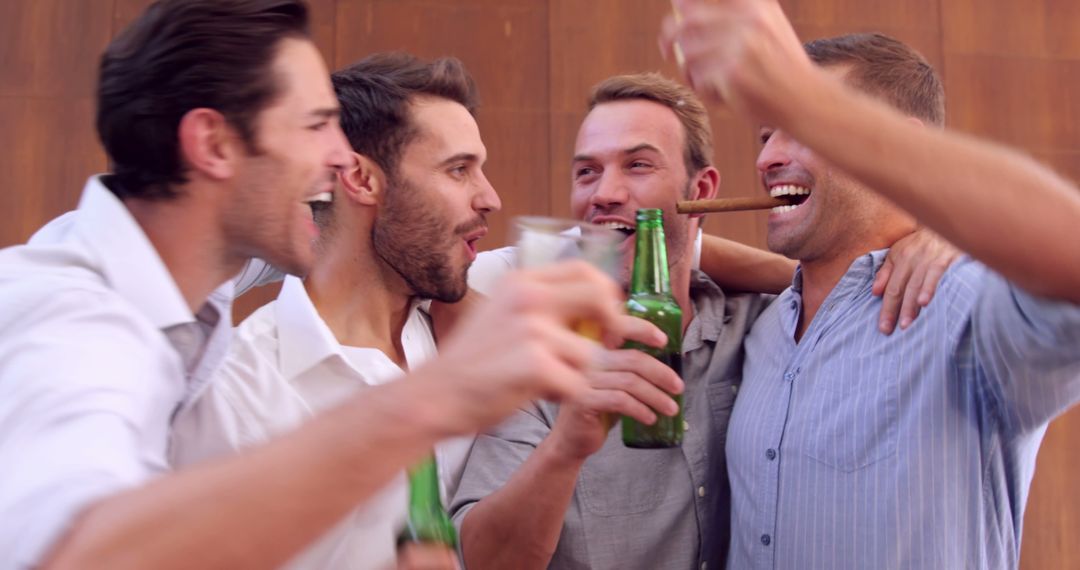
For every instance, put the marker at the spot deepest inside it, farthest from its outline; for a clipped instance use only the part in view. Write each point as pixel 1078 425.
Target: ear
pixel 208 144
pixel 704 186
pixel 363 181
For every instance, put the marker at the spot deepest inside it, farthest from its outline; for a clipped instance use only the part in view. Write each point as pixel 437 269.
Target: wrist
pixel 427 407
pixel 559 453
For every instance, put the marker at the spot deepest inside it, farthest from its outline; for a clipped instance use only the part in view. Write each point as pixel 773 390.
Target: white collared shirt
pixel 284 367
pixel 98 351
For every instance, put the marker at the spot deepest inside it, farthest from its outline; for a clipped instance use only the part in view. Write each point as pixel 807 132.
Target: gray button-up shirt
pixel 642 508
pixel 851 449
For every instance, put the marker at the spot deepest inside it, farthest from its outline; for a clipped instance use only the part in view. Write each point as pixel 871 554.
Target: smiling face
pixel 299 149
pixel 629 155
pixel 831 215
pixel 436 204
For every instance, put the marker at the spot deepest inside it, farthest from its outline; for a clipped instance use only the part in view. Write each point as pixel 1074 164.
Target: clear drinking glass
pixel 543 240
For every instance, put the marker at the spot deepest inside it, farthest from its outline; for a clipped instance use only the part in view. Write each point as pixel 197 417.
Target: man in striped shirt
pixel 849 449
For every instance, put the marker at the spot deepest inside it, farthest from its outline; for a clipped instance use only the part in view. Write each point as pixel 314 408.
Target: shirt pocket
pixel 619 481
pixel 849 418
pixel 721 399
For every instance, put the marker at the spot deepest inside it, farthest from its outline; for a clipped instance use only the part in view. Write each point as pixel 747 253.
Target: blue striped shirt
pixel 852 449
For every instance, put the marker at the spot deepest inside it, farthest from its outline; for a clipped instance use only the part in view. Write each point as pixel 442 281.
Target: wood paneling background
pixel 1011 67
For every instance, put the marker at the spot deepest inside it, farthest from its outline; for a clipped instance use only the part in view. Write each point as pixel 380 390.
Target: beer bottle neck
pixel 650 274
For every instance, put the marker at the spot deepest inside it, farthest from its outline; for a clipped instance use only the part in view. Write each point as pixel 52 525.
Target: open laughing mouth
pixel 320 200
pixel 619 227
pixel 793 194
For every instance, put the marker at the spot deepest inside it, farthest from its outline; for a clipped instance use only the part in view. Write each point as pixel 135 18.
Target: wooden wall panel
pixel 1052 520
pixel 50 149
pixel 860 14
pixel 1033 103
pixel 1032 28
pixel 57 67
pixel 46 110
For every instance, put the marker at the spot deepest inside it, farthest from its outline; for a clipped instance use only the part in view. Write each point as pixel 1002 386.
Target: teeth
pixel 321 197
pixel 788 190
pixel 616 226
pixel 782 209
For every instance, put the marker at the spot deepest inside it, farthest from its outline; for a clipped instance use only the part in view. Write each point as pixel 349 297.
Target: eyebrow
pixel 326 113
pixel 459 157
pixel 624 152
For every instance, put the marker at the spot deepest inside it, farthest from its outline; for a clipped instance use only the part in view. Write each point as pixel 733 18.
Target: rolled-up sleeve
pixel 496 455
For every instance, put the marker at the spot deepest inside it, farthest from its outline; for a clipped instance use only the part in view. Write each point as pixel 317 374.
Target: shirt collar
pixel 305 340
pixel 129 262
pixel 708 302
pixel 859 276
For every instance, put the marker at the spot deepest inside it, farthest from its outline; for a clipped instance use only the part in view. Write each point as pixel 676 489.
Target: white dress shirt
pixel 284 367
pixel 98 351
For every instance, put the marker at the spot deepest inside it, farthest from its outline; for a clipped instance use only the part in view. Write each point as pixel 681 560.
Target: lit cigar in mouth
pixel 730 204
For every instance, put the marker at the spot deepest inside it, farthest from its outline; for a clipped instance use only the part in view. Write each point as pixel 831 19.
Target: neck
pixel 363 302
pixel 680 290
pixel 190 243
pixel 821 274
pixel 819 278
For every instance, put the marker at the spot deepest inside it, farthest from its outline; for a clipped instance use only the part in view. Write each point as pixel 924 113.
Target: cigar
pixel 729 205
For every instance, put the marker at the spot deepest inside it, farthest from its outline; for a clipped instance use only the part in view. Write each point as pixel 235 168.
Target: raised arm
pixel 1001 206
pixel 738 267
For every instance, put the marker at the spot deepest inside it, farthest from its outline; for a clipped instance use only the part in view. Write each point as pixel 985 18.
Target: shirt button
pixel 789 376
pixel 770 454
pixel 685 425
pixel 701 491
pixel 794 305
pixel 766 539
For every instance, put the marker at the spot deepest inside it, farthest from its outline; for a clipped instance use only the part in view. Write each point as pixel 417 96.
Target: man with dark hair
pixel 400 231
pixel 222 125
pixel 853 450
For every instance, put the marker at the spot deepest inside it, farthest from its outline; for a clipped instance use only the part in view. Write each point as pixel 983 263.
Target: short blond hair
pixel 698 150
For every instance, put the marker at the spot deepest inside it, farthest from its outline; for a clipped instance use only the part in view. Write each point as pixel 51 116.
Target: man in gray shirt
pixel 645 144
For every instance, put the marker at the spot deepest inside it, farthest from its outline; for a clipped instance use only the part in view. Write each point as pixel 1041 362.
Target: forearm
pixel 258 509
pixel 519 525
pixel 1004 208
pixel 738 267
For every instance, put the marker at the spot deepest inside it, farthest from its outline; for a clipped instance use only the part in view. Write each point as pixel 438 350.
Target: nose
pixel 340 150
pixel 776 153
pixel 610 191
pixel 485 199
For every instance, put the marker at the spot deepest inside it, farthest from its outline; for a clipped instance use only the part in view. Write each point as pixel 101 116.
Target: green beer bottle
pixel 427 520
pixel 650 298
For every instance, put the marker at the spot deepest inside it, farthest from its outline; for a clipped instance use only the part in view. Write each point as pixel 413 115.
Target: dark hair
pixel 178 56
pixel 887 68
pixel 375 93
pixel 698 150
